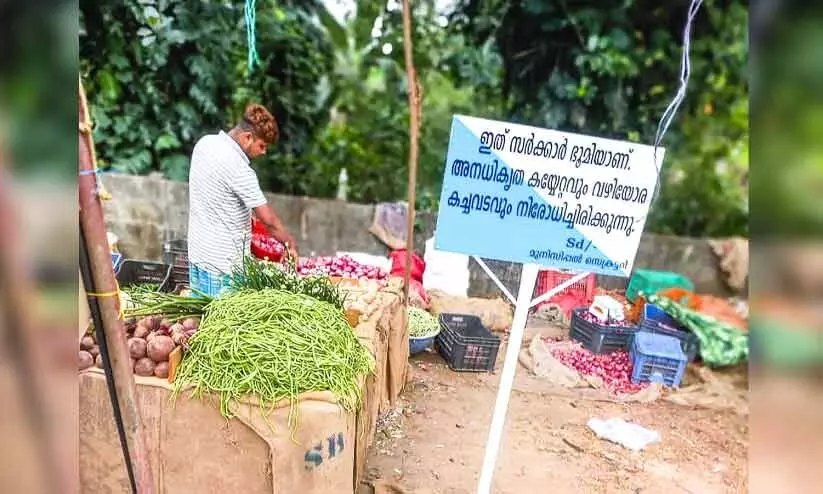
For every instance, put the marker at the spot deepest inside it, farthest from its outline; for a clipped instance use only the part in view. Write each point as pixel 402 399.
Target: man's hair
pixel 259 121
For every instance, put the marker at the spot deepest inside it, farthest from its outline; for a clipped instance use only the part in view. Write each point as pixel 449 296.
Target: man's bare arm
pixel 266 215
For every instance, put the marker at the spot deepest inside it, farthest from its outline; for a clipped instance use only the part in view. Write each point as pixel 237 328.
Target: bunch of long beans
pixel 275 345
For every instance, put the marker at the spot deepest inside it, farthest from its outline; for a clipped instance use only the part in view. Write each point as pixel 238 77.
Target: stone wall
pixel 145 212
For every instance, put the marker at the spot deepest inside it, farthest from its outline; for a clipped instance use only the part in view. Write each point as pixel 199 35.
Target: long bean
pixel 275 345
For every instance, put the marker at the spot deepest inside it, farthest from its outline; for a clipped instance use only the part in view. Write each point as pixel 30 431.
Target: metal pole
pixel 107 305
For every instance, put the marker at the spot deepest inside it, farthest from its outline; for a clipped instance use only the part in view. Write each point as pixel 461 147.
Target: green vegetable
pixel 140 288
pixel 254 274
pixel 173 307
pixel 720 344
pixel 422 324
pixel 274 345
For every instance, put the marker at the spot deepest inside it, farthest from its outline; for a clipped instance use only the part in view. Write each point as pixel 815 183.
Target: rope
pixel 250 11
pixel 115 293
pixel 674 105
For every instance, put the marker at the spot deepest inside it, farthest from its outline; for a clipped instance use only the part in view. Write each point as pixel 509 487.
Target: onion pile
pixel 344 267
pixel 150 340
pixel 615 369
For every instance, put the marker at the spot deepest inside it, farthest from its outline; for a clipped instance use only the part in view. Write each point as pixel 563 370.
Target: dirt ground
pixel 434 441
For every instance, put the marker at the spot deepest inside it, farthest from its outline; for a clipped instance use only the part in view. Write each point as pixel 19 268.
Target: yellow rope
pixel 115 293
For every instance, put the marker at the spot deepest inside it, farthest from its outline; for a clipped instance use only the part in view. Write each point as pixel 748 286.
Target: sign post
pixel 528 276
pixel 541 197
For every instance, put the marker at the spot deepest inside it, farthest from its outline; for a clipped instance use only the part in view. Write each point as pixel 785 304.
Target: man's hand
pixel 290 243
pixel 267 216
pixel 293 251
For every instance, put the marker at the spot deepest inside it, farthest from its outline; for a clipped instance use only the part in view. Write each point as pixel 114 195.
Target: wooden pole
pixel 103 287
pixel 414 129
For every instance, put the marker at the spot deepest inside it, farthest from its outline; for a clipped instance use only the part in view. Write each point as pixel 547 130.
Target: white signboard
pixel 542 198
pixel 524 194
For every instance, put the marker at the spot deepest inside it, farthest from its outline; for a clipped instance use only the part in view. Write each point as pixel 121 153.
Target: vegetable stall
pixel 273 387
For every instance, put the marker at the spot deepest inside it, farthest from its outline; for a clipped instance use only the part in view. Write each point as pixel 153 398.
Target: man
pixel 223 193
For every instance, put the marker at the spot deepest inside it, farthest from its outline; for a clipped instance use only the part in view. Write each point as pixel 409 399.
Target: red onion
pixel 344 267
pixel 615 369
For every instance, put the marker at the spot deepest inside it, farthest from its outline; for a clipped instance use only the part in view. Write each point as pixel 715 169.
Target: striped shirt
pixel 223 189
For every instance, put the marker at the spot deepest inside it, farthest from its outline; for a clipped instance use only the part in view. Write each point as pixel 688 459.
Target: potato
pixel 94 351
pixel 162 370
pixel 141 330
pixel 130 325
pixel 86 343
pixel 159 348
pixel 152 322
pixel 177 333
pixel 144 367
pixel 137 348
pixel 85 360
pixel 99 361
pixel 191 323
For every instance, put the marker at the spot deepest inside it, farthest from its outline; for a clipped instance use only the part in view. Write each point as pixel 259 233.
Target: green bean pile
pixel 274 345
pixel 422 324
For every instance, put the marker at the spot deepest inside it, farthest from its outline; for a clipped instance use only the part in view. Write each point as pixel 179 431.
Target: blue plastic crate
pixel 657 358
pixel 656 320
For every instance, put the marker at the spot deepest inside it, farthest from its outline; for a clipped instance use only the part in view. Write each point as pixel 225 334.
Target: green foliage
pixel 610 68
pixel 294 82
pixel 161 73
pixel 39 55
pixel 786 136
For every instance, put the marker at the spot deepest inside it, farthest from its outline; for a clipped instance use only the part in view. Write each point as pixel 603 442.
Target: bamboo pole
pixel 102 285
pixel 414 129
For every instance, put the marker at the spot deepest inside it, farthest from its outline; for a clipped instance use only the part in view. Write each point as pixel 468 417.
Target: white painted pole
pixel 528 277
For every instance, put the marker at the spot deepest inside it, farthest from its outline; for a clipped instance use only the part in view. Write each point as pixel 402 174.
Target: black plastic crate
pixel 135 272
pixel 655 320
pixel 600 338
pixel 466 344
pixel 176 255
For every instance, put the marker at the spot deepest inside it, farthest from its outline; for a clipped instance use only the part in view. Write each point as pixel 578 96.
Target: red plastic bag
pixel 398 265
pixel 266 247
pixel 417 294
pixel 258 227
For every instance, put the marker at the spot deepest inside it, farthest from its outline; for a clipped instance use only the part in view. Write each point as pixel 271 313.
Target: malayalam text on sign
pixel 524 194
